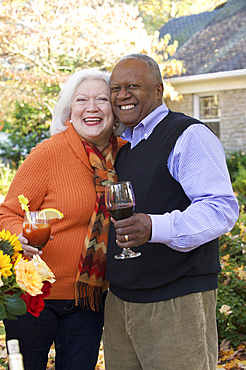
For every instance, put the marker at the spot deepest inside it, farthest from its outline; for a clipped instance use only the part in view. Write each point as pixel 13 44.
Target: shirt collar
pixel 147 125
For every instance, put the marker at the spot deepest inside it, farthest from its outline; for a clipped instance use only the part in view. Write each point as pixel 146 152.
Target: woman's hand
pixel 29 251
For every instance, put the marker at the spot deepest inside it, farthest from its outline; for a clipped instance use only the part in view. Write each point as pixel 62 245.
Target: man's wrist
pixel 160 228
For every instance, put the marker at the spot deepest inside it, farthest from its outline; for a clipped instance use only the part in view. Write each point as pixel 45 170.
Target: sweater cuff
pixel 160 229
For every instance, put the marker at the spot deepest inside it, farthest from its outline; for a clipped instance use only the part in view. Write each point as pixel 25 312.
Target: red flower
pixel 35 304
pixel 46 289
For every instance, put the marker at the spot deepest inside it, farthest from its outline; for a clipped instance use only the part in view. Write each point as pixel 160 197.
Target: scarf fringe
pixel 88 296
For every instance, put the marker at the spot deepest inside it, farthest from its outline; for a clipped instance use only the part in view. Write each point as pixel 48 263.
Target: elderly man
pixel 160 310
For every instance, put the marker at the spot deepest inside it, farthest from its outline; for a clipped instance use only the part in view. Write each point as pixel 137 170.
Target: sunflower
pixel 13 241
pixel 20 279
pixel 5 265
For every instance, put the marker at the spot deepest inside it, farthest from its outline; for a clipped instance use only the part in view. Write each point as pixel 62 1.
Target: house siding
pixel 185 105
pixel 233 117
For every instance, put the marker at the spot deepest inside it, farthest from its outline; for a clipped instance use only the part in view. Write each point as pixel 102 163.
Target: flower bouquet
pixel 24 282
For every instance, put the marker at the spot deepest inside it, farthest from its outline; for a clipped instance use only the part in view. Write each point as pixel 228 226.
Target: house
pixel 212 46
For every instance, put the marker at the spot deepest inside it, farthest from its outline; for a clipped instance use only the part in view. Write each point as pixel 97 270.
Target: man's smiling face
pixel 134 93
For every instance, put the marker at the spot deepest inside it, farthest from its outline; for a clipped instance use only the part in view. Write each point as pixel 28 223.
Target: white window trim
pixel 196 106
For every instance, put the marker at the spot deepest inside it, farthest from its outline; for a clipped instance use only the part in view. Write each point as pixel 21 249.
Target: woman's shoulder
pixel 52 142
pixel 46 147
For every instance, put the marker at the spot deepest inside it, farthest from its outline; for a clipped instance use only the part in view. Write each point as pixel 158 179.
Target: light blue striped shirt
pixel 198 163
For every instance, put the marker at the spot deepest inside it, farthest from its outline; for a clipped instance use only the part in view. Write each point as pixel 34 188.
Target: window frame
pixel 196 110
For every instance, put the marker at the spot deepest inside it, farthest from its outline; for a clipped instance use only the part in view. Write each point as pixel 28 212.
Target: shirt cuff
pixel 160 229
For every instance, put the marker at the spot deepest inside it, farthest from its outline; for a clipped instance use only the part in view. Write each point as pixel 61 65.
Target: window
pixel 206 109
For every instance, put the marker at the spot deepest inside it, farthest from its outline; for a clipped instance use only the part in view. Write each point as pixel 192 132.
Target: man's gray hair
pixel 62 108
pixel 151 64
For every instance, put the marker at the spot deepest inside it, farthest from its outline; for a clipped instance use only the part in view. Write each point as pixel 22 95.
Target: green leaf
pixel 3 314
pixel 2 330
pixel 15 305
pixel 11 317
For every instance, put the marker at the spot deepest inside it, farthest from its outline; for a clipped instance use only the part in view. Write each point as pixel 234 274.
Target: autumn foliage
pixel 231 307
pixel 42 42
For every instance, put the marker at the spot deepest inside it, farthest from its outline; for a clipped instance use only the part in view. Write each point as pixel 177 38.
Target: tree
pixel 43 41
pixel 156 13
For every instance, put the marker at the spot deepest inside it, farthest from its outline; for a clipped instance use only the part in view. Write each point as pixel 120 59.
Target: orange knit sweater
pixel 57 174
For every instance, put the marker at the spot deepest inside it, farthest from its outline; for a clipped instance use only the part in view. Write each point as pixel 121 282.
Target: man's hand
pixel 137 227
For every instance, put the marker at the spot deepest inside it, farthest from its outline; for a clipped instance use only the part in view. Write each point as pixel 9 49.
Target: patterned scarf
pixel 92 265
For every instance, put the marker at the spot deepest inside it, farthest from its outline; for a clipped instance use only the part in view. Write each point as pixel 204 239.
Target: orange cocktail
pixel 36 230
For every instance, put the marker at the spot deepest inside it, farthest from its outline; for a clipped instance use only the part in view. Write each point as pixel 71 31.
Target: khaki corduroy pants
pixel 177 334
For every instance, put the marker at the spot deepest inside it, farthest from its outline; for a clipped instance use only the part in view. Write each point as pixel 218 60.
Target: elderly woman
pixel 67 172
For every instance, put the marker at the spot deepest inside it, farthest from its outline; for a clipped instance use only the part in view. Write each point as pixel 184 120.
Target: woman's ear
pixel 118 128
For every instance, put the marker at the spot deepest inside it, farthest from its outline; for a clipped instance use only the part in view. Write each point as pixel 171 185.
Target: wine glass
pixel 120 203
pixel 36 228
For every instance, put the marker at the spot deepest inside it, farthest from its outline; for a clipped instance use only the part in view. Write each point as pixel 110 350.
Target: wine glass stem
pixel 126 251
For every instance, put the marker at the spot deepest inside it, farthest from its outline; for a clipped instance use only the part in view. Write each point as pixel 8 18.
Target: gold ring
pixel 126 238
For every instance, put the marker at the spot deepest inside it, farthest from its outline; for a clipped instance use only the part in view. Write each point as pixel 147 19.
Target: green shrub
pixel 231 307
pixel 239 184
pixel 233 161
pixel 6 176
pixel 29 126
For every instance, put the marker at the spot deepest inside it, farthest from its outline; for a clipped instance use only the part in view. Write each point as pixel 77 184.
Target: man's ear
pixel 159 90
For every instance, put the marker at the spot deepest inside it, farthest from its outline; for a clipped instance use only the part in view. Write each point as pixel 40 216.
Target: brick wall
pixel 233 117
pixel 185 105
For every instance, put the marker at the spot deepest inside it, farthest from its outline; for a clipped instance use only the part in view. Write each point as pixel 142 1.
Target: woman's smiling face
pixel 91 112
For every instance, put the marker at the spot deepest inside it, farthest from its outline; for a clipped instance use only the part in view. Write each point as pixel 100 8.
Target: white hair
pixel 62 109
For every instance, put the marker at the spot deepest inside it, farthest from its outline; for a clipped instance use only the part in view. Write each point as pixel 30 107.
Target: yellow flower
pixel 28 278
pixel 6 235
pixel 44 271
pixel 18 259
pixel 17 251
pixel 13 240
pixel 1 282
pixel 5 265
pixel 23 201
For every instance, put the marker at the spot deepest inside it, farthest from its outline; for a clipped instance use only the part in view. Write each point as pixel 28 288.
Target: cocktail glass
pixel 36 228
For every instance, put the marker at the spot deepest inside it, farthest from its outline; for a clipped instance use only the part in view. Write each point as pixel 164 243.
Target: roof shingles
pixel 219 45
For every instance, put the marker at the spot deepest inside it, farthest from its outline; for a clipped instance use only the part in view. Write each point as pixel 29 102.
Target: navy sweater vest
pixel 160 273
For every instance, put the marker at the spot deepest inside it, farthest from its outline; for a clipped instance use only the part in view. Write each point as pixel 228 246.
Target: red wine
pixel 121 212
